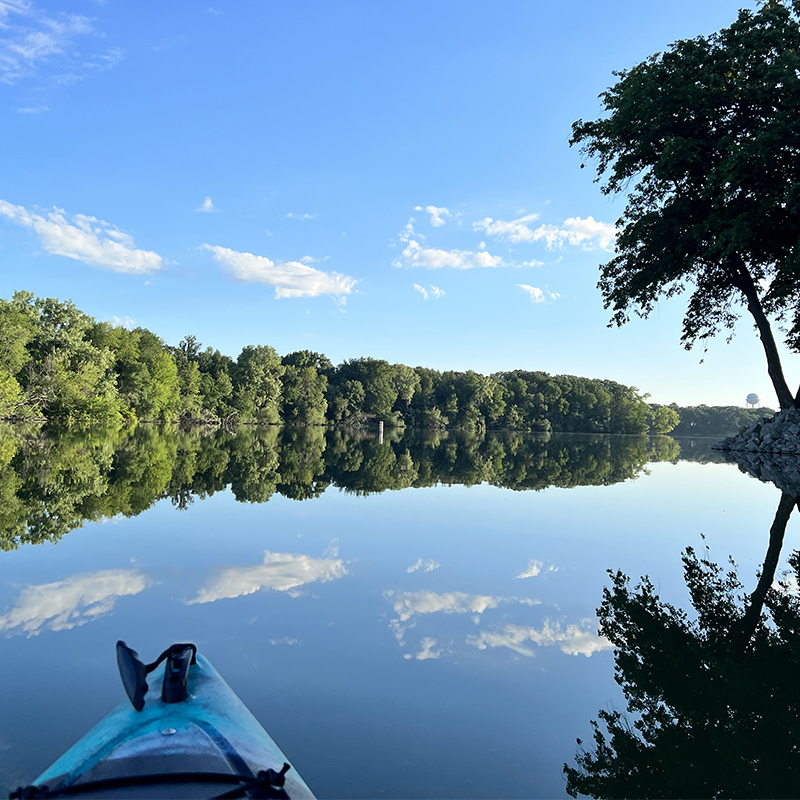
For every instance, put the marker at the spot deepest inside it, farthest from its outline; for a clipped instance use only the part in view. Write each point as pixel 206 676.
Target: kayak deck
pixel 199 747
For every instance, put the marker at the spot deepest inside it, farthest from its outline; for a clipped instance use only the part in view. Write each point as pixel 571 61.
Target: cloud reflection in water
pixel 573 640
pixel 66 604
pixel 281 572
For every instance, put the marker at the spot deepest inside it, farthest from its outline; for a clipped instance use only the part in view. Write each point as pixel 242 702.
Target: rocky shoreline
pixel 778 434
pixel 769 450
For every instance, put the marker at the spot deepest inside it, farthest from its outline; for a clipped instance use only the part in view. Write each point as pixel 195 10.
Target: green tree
pixel 304 384
pixel 663 419
pixel 705 138
pixel 66 374
pixel 258 384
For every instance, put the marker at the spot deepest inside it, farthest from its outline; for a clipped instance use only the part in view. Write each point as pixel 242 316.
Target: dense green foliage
pixel 51 482
pixel 58 363
pixel 713 420
pixel 713 696
pixel 704 139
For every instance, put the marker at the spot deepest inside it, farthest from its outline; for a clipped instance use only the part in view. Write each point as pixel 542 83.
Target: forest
pixel 705 420
pixel 60 364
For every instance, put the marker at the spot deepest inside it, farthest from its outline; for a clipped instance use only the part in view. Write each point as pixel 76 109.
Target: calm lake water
pixel 411 618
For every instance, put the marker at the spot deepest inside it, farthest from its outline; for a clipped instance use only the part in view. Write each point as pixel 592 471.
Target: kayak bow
pixel 185 735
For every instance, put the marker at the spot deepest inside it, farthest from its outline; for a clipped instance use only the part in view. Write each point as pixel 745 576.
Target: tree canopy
pixel 705 138
pixel 56 362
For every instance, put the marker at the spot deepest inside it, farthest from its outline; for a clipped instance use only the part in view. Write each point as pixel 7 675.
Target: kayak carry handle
pixel 134 672
pixel 175 688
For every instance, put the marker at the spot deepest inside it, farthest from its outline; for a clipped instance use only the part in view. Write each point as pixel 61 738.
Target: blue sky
pixel 358 178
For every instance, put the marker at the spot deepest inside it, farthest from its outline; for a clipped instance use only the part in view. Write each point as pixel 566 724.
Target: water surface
pixel 407 618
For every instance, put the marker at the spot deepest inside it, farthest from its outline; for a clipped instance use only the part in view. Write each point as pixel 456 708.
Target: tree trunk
pixel 741 278
pixel 743 630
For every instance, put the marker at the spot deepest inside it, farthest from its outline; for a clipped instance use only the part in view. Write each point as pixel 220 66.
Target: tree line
pixel 59 363
pixel 706 420
pixel 52 481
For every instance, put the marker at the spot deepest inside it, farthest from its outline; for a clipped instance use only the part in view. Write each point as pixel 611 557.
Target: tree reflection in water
pixel 713 697
pixel 51 483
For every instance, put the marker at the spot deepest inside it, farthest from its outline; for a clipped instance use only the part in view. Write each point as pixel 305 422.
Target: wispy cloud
pixel 438 215
pixel 432 291
pixel 72 602
pixel 573 640
pixel 32 110
pixel 408 604
pixel 292 215
pixel 290 278
pixel 86 239
pixel 589 233
pixel 415 255
pixel 538 295
pixel 124 322
pixel 30 38
pixel 280 572
pixel 207 206
pixel 426 651
pixel 425 566
pixel 514 231
pixel 535 568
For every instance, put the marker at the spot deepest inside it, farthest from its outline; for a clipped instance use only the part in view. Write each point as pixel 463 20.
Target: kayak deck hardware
pixel 134 673
pixel 187 737
pixel 267 784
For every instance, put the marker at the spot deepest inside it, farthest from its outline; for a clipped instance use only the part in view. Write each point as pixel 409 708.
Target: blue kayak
pixel 183 734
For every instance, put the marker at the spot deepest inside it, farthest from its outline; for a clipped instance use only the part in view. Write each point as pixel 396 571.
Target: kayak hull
pixel 193 748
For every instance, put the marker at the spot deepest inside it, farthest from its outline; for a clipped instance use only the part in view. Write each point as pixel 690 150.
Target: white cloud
pixel 426 650
pixel 292 215
pixel 124 322
pixel 284 640
pixel 574 640
pixel 438 215
pixel 31 38
pixel 588 233
pixel 535 568
pixel 102 61
pixel 432 291
pixel 207 206
pixel 86 239
pixel 408 233
pixel 69 603
pixel 215 11
pixel 425 566
pixel 280 572
pixel 33 110
pixel 414 255
pixel 290 278
pixel 538 295
pixel 407 604
pixel 515 231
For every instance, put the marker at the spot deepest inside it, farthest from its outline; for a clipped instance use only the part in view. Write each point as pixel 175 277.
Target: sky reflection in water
pixel 435 642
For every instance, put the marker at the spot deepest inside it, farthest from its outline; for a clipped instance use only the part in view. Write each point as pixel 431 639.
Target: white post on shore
pixel 380 432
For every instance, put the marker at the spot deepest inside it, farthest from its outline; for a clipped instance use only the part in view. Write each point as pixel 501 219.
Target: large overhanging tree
pixel 705 138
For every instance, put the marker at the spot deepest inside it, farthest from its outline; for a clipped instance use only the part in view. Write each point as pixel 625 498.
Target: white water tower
pixel 752 400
